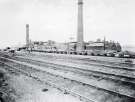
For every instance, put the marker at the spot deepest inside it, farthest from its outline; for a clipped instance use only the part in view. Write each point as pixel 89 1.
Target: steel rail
pixel 106 90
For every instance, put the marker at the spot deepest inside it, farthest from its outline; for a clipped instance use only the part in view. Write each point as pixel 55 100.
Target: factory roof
pixel 96 44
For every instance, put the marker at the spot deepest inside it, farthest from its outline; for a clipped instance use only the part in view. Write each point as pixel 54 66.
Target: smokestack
pixel 27 35
pixel 80 42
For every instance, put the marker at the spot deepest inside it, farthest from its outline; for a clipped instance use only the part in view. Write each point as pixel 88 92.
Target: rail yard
pixel 88 78
pixel 67 51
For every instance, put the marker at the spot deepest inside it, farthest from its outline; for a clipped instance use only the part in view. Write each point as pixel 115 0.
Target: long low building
pixel 71 46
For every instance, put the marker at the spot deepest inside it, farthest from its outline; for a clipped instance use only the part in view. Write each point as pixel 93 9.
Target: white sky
pixel 57 20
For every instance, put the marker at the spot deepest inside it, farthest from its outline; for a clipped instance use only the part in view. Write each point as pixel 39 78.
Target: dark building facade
pixel 103 46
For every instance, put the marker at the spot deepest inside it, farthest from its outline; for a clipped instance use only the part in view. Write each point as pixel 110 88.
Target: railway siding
pixel 86 81
pixel 94 58
pixel 85 93
pixel 89 61
pixel 89 95
pixel 119 72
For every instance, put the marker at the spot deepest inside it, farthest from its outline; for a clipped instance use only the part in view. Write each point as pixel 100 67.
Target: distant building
pixel 40 45
pixel 72 46
pixel 101 45
pixel 95 46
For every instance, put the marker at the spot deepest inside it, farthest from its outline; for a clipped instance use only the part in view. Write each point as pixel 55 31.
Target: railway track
pixel 30 72
pixel 84 82
pixel 128 79
pixel 104 74
pixel 97 63
pixel 14 69
pixel 88 61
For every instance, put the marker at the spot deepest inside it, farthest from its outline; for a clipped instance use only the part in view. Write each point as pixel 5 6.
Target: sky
pixel 57 20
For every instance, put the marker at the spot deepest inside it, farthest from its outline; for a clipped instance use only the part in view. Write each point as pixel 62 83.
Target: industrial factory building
pixel 77 47
pixel 52 46
pixel 103 45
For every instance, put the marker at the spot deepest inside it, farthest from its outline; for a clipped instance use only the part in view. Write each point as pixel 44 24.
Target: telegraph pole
pixel 104 43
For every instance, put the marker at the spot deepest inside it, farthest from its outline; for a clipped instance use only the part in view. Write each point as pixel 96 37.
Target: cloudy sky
pixel 57 20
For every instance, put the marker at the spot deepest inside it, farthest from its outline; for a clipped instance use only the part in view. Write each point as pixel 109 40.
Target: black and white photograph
pixel 67 50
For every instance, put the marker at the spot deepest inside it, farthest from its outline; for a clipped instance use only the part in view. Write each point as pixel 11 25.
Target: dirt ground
pixel 20 88
pixel 7 93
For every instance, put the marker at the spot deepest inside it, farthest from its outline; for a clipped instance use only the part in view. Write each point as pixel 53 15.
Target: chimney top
pixel 27 25
pixel 80 2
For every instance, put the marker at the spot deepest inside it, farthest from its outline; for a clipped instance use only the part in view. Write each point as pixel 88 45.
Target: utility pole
pixel 104 44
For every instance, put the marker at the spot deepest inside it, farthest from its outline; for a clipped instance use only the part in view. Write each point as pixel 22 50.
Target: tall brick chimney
pixel 80 41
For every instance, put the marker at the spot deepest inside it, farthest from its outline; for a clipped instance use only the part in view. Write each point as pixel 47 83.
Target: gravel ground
pixel 7 93
pixel 21 88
